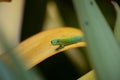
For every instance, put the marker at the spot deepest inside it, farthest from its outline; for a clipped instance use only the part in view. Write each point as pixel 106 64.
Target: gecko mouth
pixel 51 42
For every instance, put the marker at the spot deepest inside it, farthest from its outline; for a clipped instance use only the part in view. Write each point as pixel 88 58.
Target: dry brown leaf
pixel 38 47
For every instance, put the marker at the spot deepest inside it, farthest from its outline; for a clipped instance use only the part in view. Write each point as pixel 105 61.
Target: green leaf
pixel 104 50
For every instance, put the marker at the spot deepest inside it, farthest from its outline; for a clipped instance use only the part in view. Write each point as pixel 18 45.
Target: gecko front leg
pixel 60 47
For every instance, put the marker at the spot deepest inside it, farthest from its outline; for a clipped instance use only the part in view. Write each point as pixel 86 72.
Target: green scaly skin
pixel 67 41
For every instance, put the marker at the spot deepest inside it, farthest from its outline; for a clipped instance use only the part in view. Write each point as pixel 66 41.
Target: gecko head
pixel 55 42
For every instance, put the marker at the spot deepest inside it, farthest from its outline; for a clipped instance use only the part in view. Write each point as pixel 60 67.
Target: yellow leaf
pixel 38 47
pixel 89 76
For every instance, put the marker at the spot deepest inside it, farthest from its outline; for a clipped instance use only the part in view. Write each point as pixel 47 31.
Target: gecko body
pixel 67 41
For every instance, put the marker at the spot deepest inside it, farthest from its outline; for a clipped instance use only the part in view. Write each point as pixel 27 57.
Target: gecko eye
pixel 57 41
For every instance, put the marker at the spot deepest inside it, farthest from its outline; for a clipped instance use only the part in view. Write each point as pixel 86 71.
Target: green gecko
pixel 67 41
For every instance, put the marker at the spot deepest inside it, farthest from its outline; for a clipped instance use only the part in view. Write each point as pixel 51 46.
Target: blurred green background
pixel 39 15
pixel 60 65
